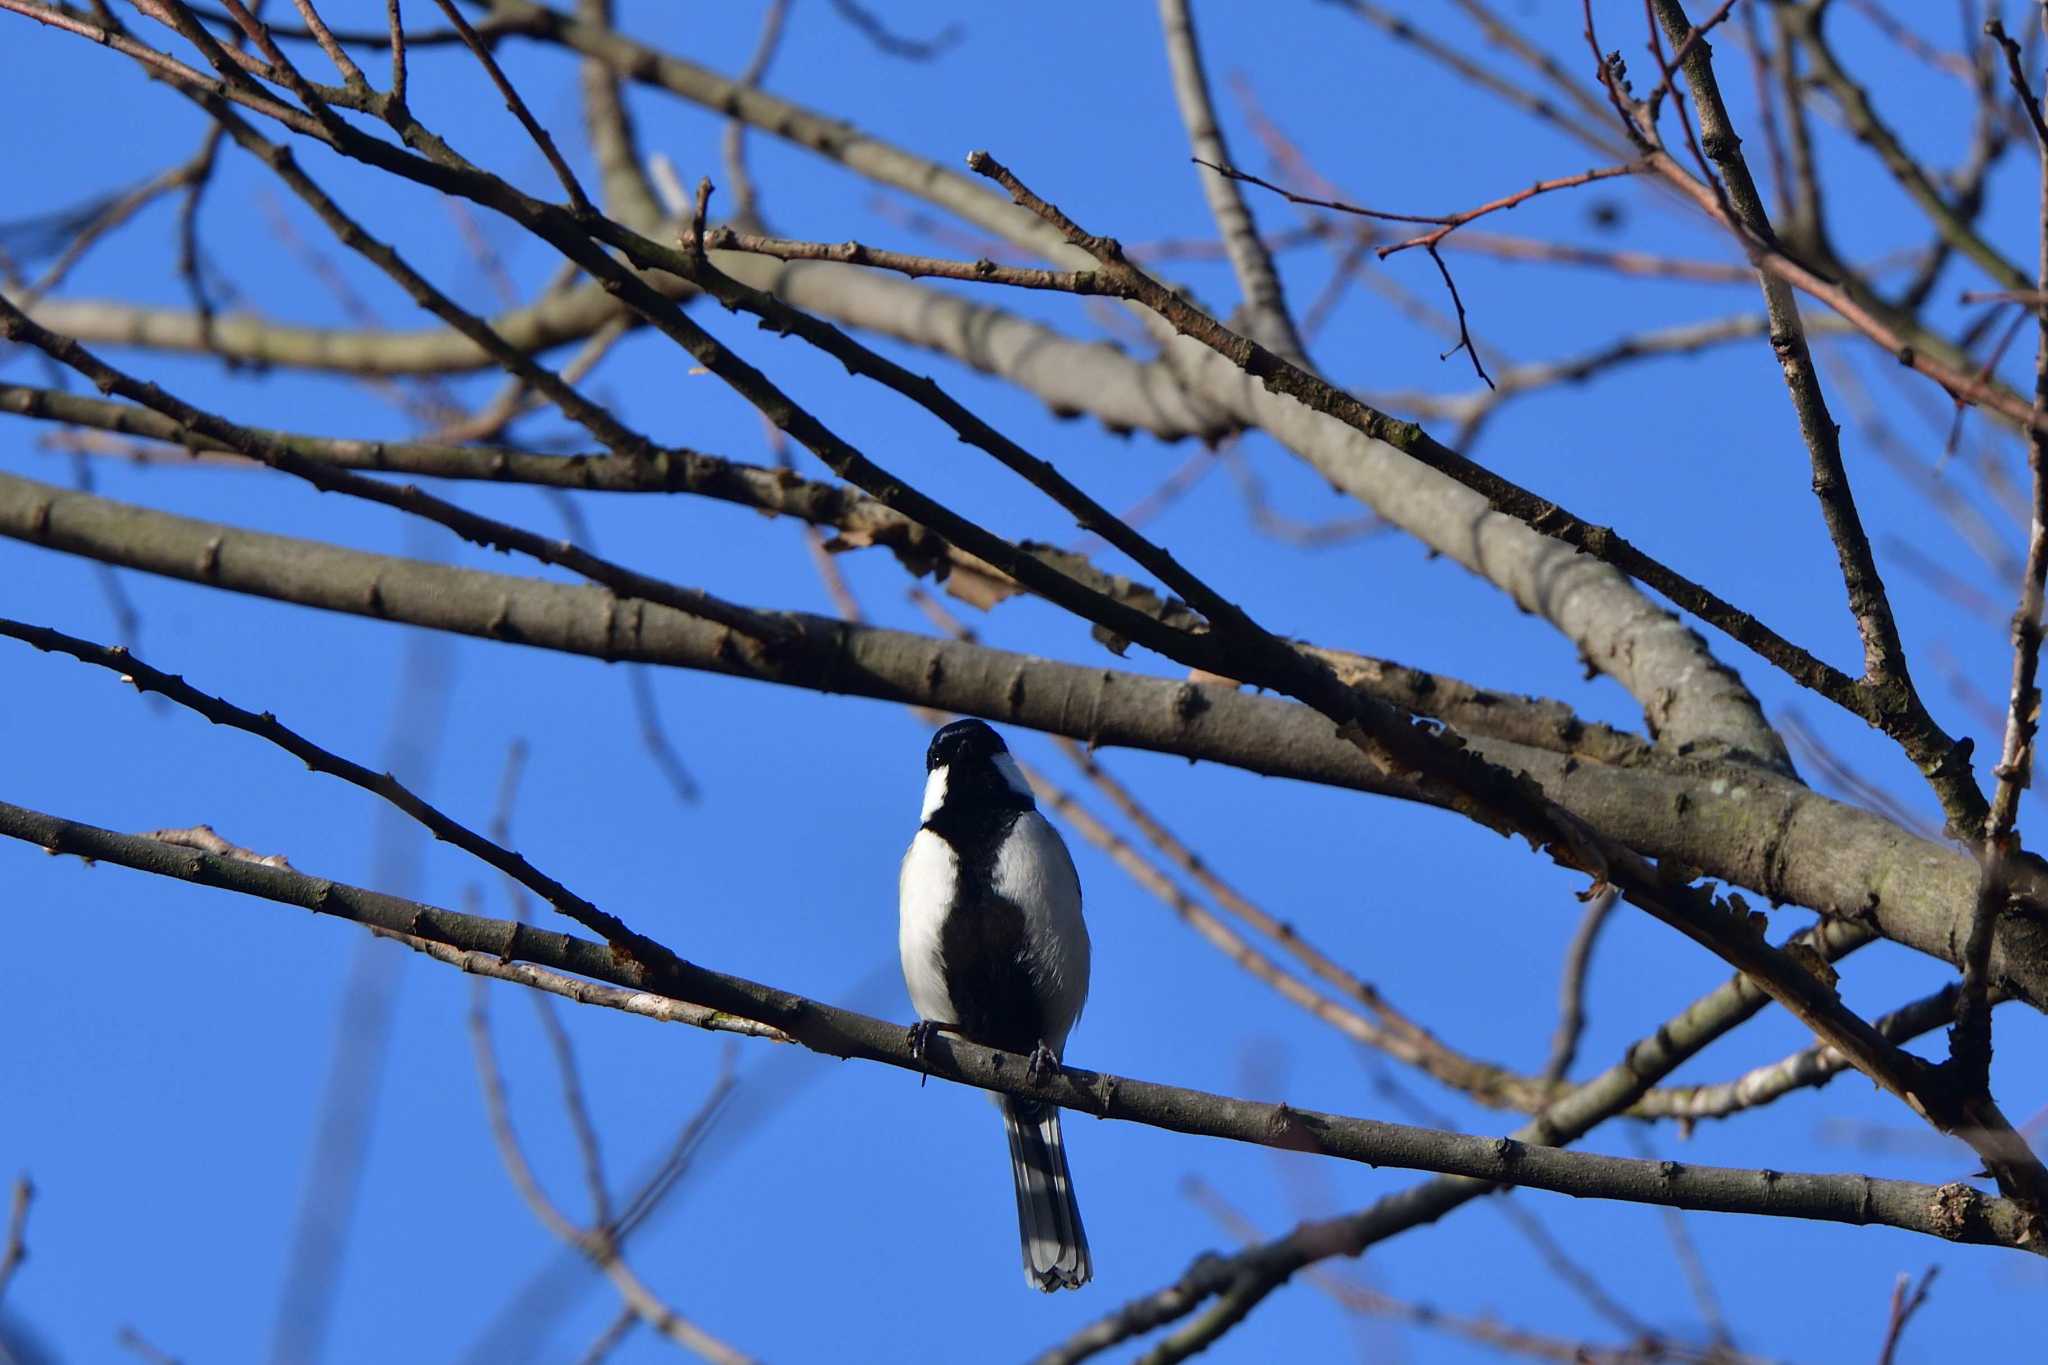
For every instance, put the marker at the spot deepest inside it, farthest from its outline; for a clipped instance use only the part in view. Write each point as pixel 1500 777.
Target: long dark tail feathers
pixel 1048 1219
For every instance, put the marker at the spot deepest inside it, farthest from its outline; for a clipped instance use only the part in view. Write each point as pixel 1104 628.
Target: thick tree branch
pixel 1955 1213
pixel 1885 698
pixel 558 320
pixel 1808 1068
pixel 1463 780
pixel 1890 700
pixel 482 530
pixel 1732 822
pixel 1611 623
pixel 860 519
pixel 1242 1281
pixel 1509 802
pixel 1265 301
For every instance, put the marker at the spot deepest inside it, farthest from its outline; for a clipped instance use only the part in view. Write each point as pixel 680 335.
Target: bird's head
pixel 968 763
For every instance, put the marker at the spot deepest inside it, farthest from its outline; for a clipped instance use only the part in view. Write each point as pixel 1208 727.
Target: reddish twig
pixel 1522 196
pixel 1904 1306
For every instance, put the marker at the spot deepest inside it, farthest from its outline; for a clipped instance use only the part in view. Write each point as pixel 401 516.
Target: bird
pixel 995 950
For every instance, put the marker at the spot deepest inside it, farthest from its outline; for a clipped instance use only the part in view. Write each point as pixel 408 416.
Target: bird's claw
pixel 920 1038
pixel 1043 1065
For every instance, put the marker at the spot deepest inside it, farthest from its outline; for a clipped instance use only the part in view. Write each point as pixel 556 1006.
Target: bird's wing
pixel 1035 873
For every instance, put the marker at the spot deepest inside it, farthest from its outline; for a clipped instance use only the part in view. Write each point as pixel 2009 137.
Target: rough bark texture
pixel 1731 821
pixel 1954 1212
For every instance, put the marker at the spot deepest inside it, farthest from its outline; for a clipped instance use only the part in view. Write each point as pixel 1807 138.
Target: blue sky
pixel 167 1045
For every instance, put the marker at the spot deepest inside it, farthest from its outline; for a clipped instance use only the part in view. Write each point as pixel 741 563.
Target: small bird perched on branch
pixel 994 949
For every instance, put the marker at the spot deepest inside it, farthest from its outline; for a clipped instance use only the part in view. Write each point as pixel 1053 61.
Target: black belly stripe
pixel 981 944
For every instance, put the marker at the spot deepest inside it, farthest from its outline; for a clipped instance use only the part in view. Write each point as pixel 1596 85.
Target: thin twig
pixel 1359 1298
pixel 1568 1270
pixel 746 195
pixel 1691 1263
pixel 577 1107
pixel 396 23
pixel 1970 1043
pixel 596 1242
pixel 14 1250
pixel 541 138
pixel 654 734
pixel 1899 714
pixel 1954 1212
pixel 1464 333
pixel 892 44
pixel 983 271
pixel 132 1341
pixel 1904 1305
pixel 16 325
pixel 576 990
pixel 267 727
pixel 1571 994
pixel 610 1339
pixel 1316 202
pixel 1508 201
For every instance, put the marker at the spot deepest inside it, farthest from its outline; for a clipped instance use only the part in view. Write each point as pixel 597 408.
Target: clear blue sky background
pixel 163 1049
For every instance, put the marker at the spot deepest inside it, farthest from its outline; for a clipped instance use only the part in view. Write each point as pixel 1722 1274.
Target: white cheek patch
pixel 1012 774
pixel 934 794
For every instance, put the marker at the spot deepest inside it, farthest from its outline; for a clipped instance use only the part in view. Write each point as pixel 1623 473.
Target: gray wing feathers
pixel 1048 1219
pixel 1036 874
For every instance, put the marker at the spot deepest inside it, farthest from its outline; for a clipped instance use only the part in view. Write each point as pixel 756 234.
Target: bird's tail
pixel 1048 1219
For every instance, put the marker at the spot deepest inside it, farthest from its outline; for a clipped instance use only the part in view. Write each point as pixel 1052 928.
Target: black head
pixel 963 744
pixel 971 776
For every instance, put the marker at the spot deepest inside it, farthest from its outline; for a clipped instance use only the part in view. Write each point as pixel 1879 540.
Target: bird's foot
pixel 1043 1065
pixel 920 1038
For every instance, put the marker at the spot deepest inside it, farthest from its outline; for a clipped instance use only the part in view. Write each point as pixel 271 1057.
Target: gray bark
pixel 1731 821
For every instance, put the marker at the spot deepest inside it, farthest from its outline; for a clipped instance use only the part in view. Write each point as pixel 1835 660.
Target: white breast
pixel 1034 871
pixel 924 893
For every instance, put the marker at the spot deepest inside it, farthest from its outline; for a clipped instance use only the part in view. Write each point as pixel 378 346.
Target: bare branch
pixel 541 138
pixel 1571 995
pixel 1359 1298
pixel 203 838
pixel 14 1250
pixel 1904 1305
pixel 483 530
pixel 396 22
pixel 596 1242
pixel 1954 1212
pixel 132 1341
pixel 1887 682
pixel 267 727
pixel 1818 853
pixel 1239 1283
pixel 1265 300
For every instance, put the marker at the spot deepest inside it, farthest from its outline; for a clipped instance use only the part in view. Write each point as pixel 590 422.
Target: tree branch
pixel 14 1249
pixel 1953 1212
pixel 1890 700
pixel 1730 821
pixel 1265 301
